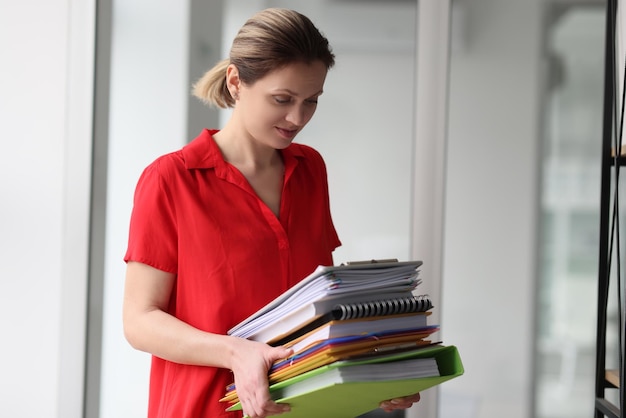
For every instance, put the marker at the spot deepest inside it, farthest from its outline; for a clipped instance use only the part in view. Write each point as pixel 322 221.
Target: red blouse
pixel 196 216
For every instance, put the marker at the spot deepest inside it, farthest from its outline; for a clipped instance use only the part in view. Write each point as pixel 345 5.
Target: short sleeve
pixel 331 233
pixel 153 236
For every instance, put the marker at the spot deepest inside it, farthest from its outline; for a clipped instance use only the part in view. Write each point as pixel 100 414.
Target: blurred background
pixel 477 151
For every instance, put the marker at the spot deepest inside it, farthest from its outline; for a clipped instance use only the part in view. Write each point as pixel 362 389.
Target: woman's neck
pixel 242 151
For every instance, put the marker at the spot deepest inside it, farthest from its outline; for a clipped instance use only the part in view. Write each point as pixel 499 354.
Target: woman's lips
pixel 287 133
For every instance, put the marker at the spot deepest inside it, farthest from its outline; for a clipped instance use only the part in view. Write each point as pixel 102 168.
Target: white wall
pixel 45 132
pixel 491 207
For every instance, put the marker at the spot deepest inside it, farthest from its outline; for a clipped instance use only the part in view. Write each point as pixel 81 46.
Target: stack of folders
pixel 359 335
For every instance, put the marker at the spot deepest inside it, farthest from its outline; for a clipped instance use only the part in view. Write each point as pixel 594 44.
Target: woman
pixel 230 221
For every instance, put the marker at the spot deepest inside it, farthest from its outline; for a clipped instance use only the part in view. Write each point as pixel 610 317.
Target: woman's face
pixel 276 107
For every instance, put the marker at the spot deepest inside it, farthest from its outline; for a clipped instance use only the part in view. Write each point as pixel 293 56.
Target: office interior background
pixel 465 133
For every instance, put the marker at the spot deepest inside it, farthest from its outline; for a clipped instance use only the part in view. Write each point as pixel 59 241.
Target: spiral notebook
pixel 326 287
pixel 369 316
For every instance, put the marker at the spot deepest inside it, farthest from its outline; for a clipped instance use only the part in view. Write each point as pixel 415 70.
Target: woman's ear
pixel 232 81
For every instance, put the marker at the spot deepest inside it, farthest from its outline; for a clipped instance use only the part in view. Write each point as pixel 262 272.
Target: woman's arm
pixel 148 327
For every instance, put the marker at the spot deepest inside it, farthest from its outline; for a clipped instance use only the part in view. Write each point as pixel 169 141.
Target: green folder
pixel 350 399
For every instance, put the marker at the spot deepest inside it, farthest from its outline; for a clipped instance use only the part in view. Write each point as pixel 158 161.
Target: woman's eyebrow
pixel 293 93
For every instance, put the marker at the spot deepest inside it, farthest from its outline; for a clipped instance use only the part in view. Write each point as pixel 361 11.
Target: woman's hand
pixel 399 403
pixel 250 365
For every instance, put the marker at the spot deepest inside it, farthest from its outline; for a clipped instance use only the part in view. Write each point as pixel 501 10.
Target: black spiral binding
pixel 382 307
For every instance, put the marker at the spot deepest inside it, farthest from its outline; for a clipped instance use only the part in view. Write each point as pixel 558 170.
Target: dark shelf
pixel 620 160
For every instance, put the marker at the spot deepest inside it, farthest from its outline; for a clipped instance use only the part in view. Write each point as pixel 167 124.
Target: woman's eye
pixel 286 100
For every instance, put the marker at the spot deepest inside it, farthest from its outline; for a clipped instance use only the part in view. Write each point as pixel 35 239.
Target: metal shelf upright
pixel 613 158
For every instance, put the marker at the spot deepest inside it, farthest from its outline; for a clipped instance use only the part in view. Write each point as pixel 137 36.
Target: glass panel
pixel 570 213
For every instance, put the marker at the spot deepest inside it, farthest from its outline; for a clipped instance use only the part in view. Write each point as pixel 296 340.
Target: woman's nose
pixel 297 116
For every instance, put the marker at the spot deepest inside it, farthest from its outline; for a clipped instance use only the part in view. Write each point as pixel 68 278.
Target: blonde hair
pixel 269 40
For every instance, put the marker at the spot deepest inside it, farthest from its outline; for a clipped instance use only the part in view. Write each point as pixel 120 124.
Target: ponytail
pixel 211 88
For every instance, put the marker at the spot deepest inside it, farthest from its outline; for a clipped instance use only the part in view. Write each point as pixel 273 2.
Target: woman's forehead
pixel 296 78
